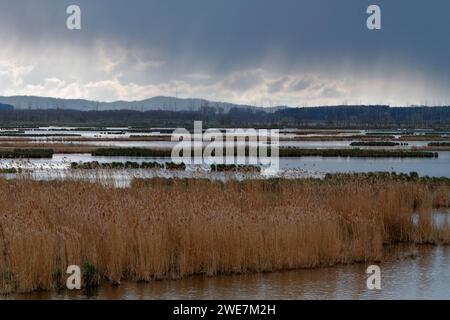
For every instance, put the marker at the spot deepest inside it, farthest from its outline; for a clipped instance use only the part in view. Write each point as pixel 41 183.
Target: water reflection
pixel 407 273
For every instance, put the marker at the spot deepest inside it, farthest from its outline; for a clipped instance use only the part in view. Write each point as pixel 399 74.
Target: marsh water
pixel 406 273
pixel 433 167
pixel 308 166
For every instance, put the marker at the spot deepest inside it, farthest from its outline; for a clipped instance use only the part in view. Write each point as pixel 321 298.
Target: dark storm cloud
pixel 240 32
pixel 221 37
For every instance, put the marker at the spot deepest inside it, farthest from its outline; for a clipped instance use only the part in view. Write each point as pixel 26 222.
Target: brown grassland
pixel 169 228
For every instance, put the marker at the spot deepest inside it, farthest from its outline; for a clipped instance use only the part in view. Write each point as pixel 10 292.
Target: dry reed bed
pixel 159 229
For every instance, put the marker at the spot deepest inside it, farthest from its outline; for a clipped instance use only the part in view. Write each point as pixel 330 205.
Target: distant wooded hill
pixel 314 117
pixel 6 106
pixel 151 104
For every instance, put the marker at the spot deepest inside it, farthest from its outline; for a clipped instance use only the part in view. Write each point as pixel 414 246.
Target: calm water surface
pixel 433 167
pixel 423 275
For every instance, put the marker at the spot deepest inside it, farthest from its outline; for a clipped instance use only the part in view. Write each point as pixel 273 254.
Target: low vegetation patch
pixel 26 153
pixel 10 171
pixel 356 153
pixel 115 165
pixel 175 166
pixel 234 167
pixel 132 152
pixel 283 152
pixel 439 144
pixel 386 177
pixel 376 144
pixel 94 165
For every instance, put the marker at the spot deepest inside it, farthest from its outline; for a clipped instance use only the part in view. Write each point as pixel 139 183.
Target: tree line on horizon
pixel 307 117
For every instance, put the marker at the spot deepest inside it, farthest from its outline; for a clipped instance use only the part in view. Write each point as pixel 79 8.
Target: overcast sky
pixel 262 52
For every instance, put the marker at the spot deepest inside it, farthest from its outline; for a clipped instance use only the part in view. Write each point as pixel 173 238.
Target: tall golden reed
pixel 159 229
